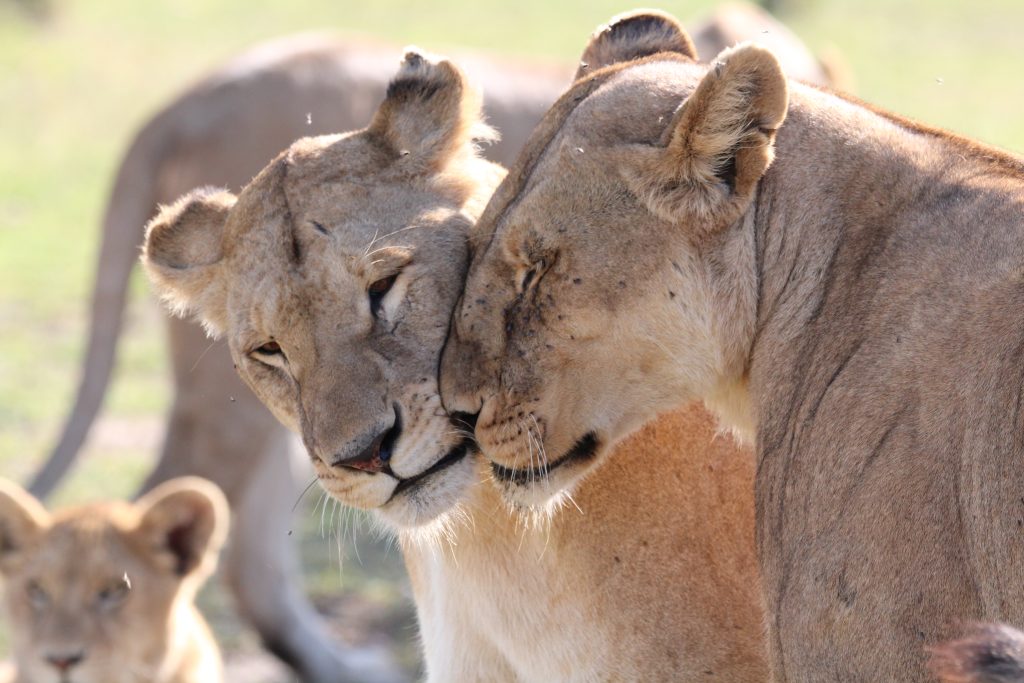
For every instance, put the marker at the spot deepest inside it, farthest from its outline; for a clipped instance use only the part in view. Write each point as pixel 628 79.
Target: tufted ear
pixel 22 519
pixel 183 525
pixel 633 35
pixel 429 114
pixel 717 146
pixel 182 252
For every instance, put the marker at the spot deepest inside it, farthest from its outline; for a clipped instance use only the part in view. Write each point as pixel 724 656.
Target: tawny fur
pixel 857 318
pixel 112 585
pixel 576 598
pixel 219 133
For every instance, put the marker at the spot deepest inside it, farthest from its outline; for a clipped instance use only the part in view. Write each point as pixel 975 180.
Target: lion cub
pixel 104 593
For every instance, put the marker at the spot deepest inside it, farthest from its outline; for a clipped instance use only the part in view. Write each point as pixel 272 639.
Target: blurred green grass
pixel 74 88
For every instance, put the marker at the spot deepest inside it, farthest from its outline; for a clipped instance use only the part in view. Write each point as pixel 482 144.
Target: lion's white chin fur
pixel 430 502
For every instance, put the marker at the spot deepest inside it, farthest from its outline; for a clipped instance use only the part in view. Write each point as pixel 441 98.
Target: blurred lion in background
pixel 104 593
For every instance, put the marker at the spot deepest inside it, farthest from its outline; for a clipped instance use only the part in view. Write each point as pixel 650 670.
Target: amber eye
pixel 271 348
pixel 378 290
pixel 270 354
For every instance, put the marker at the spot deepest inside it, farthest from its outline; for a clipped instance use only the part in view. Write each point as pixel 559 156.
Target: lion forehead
pixel 636 104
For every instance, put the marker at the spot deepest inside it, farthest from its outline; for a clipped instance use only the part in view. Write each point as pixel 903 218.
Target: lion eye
pixel 271 348
pixel 115 593
pixel 36 595
pixel 378 290
pixel 531 276
pixel 270 354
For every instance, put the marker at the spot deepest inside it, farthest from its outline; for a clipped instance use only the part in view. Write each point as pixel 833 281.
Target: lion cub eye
pixel 114 594
pixel 378 290
pixel 37 596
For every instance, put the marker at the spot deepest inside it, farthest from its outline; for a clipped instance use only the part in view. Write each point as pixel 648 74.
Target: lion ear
pixel 634 35
pixel 717 146
pixel 22 519
pixel 183 525
pixel 182 253
pixel 430 113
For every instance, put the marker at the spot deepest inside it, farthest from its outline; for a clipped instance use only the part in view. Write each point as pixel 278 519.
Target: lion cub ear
pixel 22 519
pixel 633 35
pixel 182 251
pixel 717 146
pixel 430 113
pixel 183 525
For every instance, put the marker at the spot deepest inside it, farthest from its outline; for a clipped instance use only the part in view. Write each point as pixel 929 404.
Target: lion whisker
pixel 304 492
pixel 376 231
pixel 384 237
pixel 572 500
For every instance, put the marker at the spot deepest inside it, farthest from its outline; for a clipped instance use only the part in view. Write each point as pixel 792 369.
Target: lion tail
pixel 990 653
pixel 131 204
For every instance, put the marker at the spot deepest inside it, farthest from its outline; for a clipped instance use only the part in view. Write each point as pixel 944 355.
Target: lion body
pixel 332 276
pixel 852 307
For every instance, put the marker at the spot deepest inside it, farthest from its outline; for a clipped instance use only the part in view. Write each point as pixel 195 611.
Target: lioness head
pixel 333 275
pixel 594 245
pixel 94 593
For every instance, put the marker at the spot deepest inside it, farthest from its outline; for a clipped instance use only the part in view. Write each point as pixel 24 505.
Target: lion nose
pixel 63 662
pixel 375 457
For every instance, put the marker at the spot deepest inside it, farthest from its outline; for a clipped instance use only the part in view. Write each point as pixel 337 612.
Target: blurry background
pixel 77 77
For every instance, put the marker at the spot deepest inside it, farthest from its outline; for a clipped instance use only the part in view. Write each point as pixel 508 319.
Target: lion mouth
pixel 453 456
pixel 584 449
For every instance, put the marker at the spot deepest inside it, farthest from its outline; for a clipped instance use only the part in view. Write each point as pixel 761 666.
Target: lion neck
pixel 847 183
pixel 568 597
pixel 859 202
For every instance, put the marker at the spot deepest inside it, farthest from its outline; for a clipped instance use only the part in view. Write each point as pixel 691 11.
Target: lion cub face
pixel 93 592
pixel 596 252
pixel 333 276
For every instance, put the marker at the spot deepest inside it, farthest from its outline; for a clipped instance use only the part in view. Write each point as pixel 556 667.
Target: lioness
pixel 333 276
pixel 104 593
pixel 852 308
pixel 220 132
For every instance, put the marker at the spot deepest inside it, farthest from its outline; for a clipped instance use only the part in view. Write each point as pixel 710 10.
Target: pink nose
pixel 375 457
pixel 64 662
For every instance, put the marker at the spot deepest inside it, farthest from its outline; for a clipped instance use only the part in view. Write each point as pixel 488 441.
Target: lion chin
pixel 412 502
